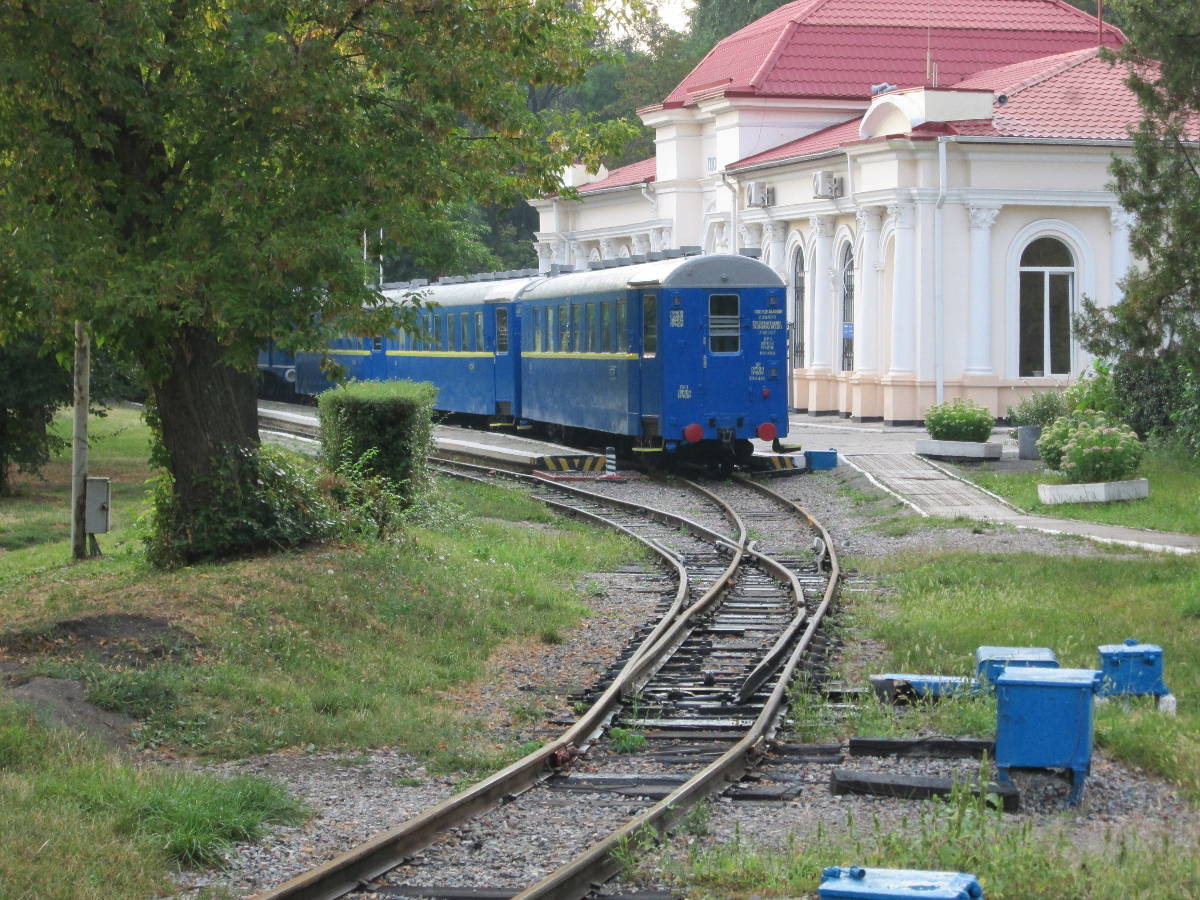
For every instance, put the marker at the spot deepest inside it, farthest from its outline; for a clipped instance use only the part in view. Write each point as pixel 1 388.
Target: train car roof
pixel 467 293
pixel 713 270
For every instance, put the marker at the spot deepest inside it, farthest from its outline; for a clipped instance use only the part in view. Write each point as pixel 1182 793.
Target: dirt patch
pixel 63 702
pixel 113 639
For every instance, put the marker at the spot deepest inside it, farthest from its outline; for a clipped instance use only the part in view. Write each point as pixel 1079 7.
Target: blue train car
pixel 679 354
pixel 276 374
pixel 684 354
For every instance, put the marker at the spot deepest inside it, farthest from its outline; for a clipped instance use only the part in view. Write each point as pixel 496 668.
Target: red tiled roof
pixel 634 173
pixel 1071 96
pixel 839 48
pixel 818 142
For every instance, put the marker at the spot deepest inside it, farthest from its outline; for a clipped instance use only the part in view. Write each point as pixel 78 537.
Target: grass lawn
pixel 339 645
pixel 1172 504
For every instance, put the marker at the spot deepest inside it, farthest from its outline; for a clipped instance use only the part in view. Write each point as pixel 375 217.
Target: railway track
pixel 705 689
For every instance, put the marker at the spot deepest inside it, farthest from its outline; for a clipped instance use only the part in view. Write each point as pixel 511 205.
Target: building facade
pixel 934 194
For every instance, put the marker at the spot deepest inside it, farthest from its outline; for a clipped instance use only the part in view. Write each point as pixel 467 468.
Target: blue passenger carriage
pixel 676 354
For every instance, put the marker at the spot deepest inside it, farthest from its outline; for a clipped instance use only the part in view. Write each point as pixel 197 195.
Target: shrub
pixel 267 498
pixel 392 418
pixel 1055 437
pixel 959 420
pixel 1041 408
pixel 1101 453
pixel 1185 419
pixel 1097 391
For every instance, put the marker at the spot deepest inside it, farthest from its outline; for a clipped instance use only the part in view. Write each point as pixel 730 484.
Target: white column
pixel 904 290
pixel 1119 223
pixel 821 314
pixel 979 291
pixel 545 254
pixel 866 299
pixel 773 236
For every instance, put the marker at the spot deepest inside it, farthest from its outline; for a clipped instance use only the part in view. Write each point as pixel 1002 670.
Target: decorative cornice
pixel 983 217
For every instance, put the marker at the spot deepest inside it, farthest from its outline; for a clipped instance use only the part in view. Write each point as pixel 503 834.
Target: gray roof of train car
pixel 467 293
pixel 717 270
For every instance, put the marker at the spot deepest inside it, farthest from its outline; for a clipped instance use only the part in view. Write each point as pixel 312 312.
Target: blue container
pixel 1044 721
pixel 1132 668
pixel 896 884
pixel 990 662
pixel 818 460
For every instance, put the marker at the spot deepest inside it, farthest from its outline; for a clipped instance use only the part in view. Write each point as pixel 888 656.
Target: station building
pixel 929 177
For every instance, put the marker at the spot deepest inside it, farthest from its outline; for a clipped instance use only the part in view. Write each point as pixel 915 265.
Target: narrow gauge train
pixel 684 354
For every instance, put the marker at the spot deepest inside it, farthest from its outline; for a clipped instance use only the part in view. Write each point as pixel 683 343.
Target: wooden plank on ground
pixel 931 748
pixel 913 787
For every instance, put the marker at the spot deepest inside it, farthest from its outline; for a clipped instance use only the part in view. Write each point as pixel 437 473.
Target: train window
pixel 501 330
pixel 576 327
pixel 649 325
pixel 439 341
pixel 606 326
pixel 622 334
pixel 464 330
pixel 551 329
pixel 724 324
pixel 593 343
pixel 452 332
pixel 479 331
pixel 377 343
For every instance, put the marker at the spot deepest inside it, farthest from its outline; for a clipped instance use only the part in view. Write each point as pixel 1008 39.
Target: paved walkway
pixel 887 457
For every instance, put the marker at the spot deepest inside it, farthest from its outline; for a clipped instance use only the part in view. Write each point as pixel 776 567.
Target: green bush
pixel 1101 453
pixel 959 420
pixel 268 498
pixel 1097 391
pixel 1041 408
pixel 1185 418
pixel 1055 437
pixel 388 425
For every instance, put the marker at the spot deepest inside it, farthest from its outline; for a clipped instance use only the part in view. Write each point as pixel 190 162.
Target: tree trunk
pixel 209 421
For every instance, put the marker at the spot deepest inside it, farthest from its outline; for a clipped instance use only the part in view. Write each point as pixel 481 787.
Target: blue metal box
pixel 817 460
pixel 897 884
pixel 991 661
pixel 1132 668
pixel 1044 721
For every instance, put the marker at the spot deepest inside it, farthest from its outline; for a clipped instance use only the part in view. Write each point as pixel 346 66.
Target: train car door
pixel 646 328
pixel 723 366
pixel 376 368
pixel 506 346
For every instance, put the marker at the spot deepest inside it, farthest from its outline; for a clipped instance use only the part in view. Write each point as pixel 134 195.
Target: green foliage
pixel 1151 390
pixel 1097 392
pixel 1040 408
pixel 1055 438
pixel 32 386
pixel 1186 416
pixel 626 740
pixel 959 420
pixel 383 428
pixel 1101 453
pixel 712 20
pixel 264 499
pixel 1159 184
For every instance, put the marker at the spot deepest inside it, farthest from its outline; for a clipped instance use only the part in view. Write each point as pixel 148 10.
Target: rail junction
pixel 705 687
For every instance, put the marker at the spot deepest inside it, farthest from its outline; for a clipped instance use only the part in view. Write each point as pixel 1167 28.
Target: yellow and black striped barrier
pixel 582 463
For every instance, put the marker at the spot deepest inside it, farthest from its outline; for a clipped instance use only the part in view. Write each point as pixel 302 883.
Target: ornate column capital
pixel 608 249
pixel 772 231
pixel 983 217
pixel 750 236
pixel 868 218
pixel 1120 219
pixel 903 214
pixel 821 225
pixel 641 244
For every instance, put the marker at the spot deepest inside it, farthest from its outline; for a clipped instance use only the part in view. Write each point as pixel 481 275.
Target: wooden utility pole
pixel 79 443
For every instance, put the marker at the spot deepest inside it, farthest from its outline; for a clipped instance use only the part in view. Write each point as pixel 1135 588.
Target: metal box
pixel 990 662
pixel 818 460
pixel 95 517
pixel 1132 668
pixel 1044 721
pixel 895 687
pixel 897 884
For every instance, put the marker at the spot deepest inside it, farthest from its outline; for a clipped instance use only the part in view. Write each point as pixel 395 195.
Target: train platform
pixel 887 457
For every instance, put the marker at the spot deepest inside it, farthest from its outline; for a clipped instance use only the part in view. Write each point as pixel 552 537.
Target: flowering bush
pixel 1041 408
pixel 959 420
pixel 1101 453
pixel 1055 437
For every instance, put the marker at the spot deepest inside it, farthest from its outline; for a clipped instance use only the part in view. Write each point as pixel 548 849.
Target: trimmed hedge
pixel 959 420
pixel 385 425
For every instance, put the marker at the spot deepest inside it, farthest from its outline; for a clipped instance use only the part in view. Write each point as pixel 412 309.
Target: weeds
pixel 625 740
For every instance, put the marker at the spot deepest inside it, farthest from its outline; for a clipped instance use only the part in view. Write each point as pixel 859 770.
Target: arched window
pixel 847 290
pixel 798 280
pixel 1047 279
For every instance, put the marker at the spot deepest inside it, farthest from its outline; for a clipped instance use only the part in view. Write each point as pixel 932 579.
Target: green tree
pixel 193 177
pixel 1159 183
pixel 712 20
pixel 32 387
